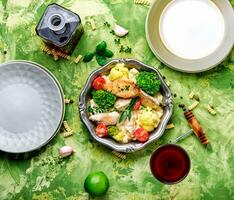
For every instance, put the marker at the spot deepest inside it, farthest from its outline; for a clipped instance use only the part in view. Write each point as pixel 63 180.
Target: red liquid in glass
pixel 170 164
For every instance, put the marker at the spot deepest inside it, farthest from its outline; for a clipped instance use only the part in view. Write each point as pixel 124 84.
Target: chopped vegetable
pixel 101 130
pixel 103 99
pixel 119 71
pixel 98 83
pixel 112 130
pixel 88 57
pixel 148 82
pixel 141 135
pixel 137 104
pixel 148 118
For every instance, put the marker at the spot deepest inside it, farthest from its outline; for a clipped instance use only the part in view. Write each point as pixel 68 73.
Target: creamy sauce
pixel 191 29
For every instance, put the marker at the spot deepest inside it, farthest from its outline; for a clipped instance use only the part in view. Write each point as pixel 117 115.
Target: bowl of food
pixel 125 105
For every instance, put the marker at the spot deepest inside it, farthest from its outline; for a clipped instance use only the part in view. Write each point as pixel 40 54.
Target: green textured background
pixel 45 176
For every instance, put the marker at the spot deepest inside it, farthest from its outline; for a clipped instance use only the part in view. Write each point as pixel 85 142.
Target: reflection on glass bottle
pixel 60 27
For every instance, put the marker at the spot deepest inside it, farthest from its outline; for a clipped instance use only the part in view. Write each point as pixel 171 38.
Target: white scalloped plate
pixel 31 106
pixel 190 35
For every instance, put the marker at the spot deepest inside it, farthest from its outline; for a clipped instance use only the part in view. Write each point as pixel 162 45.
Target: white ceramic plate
pixel 31 106
pixel 190 35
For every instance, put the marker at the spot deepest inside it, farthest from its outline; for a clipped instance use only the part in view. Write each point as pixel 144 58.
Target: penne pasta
pixel 170 126
pixel 193 105
pixel 210 110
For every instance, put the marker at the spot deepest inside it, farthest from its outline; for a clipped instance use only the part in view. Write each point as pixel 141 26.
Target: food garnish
pixel 141 135
pixel 88 57
pixel 104 99
pixel 101 53
pixel 127 113
pixel 98 83
pixel 148 82
pixel 101 130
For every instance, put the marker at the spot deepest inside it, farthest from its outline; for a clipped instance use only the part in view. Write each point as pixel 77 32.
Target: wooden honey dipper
pixel 197 129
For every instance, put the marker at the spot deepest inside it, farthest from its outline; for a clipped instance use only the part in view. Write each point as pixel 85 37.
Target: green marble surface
pixel 45 176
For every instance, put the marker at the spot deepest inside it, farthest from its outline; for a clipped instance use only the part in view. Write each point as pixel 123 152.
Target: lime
pixel 96 184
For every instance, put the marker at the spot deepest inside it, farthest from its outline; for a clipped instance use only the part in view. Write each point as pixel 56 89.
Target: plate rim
pixel 209 67
pixel 52 76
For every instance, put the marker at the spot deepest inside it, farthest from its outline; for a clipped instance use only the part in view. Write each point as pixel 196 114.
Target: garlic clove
pixel 65 151
pixel 120 31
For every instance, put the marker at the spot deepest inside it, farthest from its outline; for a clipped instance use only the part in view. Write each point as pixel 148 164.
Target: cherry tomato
pixel 137 104
pixel 98 83
pixel 141 135
pixel 101 130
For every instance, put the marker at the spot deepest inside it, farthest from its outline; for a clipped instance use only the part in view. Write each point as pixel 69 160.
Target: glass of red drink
pixel 170 164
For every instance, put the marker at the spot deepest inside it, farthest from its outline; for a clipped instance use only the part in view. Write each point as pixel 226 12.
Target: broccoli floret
pixel 148 82
pixel 105 100
pixel 112 130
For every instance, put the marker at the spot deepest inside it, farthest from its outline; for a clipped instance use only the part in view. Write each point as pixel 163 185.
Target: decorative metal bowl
pixel 132 146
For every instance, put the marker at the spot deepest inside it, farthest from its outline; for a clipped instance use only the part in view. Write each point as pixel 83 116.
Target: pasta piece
pixel 93 25
pixel 78 59
pixel 66 126
pixel 210 110
pixel 67 134
pixel 54 53
pixel 143 2
pixel 119 155
pixel 191 95
pixel 168 83
pixel 193 105
pixel 67 101
pixel 62 55
pixel 170 126
pixel 47 50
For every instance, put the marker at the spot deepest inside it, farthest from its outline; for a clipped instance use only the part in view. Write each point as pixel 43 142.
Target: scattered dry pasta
pixel 119 155
pixel 143 2
pixel 67 134
pixel 193 105
pixel 56 54
pixel 191 95
pixel 93 25
pixel 66 126
pixel 170 126
pixel 211 110
pixel 68 101
pixel 78 59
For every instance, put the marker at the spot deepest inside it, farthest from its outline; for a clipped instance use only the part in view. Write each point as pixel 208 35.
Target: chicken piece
pixel 123 88
pixel 129 126
pixel 107 118
pixel 121 104
pixel 149 101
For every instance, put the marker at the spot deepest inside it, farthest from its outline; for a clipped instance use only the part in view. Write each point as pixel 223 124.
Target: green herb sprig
pixel 127 113
pixel 101 53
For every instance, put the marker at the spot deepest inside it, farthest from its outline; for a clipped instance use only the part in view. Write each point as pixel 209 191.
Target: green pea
pixel 101 46
pixel 108 53
pixel 88 57
pixel 101 60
